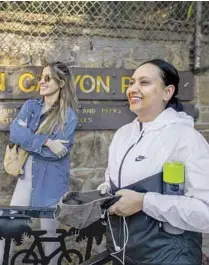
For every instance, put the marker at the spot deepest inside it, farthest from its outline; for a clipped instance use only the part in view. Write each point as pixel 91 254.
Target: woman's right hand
pixel 104 188
pixel 57 147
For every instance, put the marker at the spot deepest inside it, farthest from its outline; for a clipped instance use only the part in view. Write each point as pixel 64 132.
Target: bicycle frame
pixel 15 228
pixel 46 259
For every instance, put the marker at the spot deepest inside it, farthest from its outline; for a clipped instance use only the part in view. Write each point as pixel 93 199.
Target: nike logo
pixel 140 158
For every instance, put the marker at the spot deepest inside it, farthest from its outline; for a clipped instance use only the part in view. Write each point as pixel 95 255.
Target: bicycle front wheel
pixel 73 257
pixel 19 258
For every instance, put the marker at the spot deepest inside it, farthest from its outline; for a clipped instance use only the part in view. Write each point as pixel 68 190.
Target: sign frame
pixel 91 83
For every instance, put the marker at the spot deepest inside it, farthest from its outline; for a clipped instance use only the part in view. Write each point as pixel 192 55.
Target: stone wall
pixel 90 150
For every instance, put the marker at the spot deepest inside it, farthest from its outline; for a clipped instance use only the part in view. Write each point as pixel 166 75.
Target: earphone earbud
pixel 103 215
pixel 117 248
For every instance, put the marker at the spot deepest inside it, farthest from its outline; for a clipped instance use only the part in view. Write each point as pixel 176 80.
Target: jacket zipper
pixel 121 165
pixel 119 177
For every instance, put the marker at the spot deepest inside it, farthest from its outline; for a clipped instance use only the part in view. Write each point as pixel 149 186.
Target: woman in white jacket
pixel 162 132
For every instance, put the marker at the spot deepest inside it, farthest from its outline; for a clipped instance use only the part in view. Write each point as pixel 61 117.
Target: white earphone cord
pixel 125 237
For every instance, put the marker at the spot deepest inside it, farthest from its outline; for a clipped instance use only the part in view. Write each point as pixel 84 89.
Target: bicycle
pixel 14 229
pixel 28 256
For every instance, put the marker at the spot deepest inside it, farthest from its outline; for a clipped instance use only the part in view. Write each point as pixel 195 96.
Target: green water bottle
pixel 173 184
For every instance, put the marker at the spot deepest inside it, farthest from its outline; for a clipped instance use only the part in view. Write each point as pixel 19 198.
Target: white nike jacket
pixel 170 137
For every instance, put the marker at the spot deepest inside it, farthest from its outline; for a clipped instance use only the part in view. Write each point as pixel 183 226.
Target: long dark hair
pixel 170 76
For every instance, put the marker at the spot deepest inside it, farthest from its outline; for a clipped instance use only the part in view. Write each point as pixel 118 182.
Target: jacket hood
pixel 167 117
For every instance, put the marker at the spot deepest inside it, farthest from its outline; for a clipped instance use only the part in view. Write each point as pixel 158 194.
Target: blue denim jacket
pixel 50 174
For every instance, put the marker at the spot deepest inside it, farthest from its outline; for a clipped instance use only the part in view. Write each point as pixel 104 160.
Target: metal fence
pixel 29 26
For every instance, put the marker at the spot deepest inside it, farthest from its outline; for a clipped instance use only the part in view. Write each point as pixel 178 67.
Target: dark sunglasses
pixel 46 78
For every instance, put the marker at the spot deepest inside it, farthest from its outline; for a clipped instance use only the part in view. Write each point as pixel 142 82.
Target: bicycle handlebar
pixel 26 212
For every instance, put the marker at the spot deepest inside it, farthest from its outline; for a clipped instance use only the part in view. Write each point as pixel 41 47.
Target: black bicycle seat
pixel 14 228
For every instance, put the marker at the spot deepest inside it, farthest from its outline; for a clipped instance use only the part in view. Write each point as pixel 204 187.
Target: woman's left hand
pixel 130 203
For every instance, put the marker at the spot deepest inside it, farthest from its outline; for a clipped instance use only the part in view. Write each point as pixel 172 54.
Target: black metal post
pixel 6 251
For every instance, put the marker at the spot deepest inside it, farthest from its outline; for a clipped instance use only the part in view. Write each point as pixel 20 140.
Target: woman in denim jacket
pixel 46 171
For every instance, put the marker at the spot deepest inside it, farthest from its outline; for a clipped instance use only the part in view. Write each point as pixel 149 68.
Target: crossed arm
pixel 41 144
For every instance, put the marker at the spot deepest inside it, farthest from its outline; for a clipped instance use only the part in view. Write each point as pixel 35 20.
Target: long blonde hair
pixel 67 98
